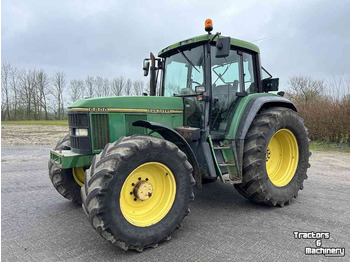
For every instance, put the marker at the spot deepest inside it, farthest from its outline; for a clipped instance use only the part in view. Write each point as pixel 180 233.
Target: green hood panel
pixel 131 102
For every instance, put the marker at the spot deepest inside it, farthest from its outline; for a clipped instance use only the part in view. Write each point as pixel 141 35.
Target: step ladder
pixel 229 163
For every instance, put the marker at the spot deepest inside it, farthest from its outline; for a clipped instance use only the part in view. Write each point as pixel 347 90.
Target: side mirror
pixel 145 67
pixel 223 47
pixel 200 89
pixel 270 84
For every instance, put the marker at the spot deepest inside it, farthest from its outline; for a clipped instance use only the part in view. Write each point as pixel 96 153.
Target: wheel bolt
pixel 135 199
pixel 139 178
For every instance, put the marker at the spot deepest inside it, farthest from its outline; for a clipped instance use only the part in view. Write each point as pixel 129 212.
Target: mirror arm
pixel 153 82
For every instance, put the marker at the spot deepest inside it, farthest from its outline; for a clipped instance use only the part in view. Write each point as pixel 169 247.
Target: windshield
pixel 183 72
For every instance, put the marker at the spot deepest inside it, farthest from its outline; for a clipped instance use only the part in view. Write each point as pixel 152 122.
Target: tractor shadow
pixel 219 196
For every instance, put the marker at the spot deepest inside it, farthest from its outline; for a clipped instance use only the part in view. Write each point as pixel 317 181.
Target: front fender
pixel 174 137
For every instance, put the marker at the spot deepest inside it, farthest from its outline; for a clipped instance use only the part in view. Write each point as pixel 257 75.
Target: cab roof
pixel 204 38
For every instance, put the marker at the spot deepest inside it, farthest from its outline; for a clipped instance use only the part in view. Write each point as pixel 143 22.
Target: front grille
pixel 79 144
pixel 100 130
pixel 78 120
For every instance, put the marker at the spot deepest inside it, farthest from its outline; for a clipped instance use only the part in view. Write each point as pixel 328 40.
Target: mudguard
pixel 174 137
pixel 254 106
pixel 248 115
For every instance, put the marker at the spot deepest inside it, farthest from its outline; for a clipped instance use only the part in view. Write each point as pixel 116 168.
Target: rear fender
pixel 253 107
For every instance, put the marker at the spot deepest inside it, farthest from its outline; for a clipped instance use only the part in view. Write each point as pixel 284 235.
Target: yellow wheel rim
pixel 148 194
pixel 78 174
pixel 282 156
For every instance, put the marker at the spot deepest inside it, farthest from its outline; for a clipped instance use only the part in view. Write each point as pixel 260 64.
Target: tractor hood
pixel 137 104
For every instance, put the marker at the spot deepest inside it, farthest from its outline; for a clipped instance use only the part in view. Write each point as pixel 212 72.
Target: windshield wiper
pixel 188 60
pixel 221 75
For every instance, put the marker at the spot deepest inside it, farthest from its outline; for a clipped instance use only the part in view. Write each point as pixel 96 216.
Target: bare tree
pixel 27 89
pixel 42 87
pixel 6 70
pixel 14 83
pixel 59 83
pixel 305 89
pixel 118 85
pixel 99 86
pixel 106 87
pixel 128 86
pixel 90 84
pixel 338 87
pixel 76 90
pixel 138 87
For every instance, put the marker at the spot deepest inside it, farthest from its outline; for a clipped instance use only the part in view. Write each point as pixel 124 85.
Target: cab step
pixel 221 147
pixel 226 164
pixel 228 180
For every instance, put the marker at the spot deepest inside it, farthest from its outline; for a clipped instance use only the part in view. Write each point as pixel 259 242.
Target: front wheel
pixel 137 191
pixel 276 157
pixel 67 182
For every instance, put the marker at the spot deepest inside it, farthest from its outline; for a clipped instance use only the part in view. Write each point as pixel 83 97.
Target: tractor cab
pixel 210 72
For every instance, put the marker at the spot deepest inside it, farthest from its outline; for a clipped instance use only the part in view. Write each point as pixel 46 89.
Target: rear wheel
pixel 137 191
pixel 67 181
pixel 276 157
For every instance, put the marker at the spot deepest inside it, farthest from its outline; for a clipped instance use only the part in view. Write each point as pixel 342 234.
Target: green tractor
pixel 133 161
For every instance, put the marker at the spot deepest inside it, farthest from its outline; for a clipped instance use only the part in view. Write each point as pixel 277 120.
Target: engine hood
pixel 137 104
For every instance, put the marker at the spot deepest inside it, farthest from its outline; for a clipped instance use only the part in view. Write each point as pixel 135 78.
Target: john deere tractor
pixel 133 161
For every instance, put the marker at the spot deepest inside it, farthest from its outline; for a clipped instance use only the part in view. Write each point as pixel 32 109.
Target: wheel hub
pixel 143 190
pixel 282 157
pixel 148 193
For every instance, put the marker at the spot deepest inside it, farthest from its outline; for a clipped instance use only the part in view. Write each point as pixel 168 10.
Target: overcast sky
pixel 111 37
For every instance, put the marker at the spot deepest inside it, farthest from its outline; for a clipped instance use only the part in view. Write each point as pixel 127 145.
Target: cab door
pixel 226 81
pixel 231 78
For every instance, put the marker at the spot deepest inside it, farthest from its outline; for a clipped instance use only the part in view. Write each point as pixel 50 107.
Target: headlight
pixel 81 132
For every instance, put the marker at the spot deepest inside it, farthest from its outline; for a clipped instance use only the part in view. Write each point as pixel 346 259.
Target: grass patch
pixel 37 122
pixel 325 146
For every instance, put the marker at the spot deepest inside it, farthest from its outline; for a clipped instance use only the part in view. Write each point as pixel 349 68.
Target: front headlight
pixel 81 132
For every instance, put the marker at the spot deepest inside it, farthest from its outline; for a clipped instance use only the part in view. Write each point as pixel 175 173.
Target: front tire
pixel 138 191
pixel 276 157
pixel 67 182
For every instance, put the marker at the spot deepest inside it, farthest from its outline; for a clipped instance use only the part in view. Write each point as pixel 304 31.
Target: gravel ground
pixel 31 134
pixel 39 225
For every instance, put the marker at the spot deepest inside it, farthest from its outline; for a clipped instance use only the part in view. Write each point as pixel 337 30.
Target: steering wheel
pixel 192 81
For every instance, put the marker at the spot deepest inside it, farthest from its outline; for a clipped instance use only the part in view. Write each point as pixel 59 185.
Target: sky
pixel 110 38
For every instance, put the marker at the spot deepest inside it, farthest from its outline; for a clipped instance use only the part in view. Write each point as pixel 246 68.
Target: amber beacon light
pixel 208 25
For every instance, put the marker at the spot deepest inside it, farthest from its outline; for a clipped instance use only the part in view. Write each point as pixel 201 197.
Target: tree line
pixel 36 95
pixel 324 105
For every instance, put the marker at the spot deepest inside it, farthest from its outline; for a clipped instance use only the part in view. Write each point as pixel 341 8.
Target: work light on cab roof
pixel 208 25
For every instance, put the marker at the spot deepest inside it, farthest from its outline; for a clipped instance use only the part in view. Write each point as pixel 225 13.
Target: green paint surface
pixel 204 38
pixel 69 159
pixel 231 134
pixel 132 102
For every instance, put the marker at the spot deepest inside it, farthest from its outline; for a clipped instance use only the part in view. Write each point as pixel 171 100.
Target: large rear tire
pixel 137 191
pixel 276 157
pixel 66 181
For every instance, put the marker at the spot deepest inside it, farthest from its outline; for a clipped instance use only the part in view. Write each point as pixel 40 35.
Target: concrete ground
pixel 40 225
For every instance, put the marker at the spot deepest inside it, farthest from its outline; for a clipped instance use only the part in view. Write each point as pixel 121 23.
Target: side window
pixel 249 76
pixel 176 78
